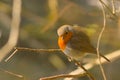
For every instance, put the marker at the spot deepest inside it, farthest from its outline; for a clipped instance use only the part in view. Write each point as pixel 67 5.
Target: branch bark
pixel 14 30
pixel 112 56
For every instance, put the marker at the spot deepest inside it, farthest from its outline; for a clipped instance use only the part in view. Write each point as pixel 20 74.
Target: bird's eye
pixel 66 32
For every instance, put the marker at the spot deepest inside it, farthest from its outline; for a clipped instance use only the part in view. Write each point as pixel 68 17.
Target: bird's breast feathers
pixel 75 54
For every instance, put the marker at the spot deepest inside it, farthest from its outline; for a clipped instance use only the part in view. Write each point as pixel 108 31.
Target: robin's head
pixel 65 33
pixel 64 30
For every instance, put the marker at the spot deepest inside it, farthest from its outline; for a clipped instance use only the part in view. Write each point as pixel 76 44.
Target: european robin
pixel 74 42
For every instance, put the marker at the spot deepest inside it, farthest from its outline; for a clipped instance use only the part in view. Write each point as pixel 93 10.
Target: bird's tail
pixel 105 58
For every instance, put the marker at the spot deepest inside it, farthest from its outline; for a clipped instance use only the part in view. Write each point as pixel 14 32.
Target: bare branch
pixel 99 38
pixel 112 56
pixel 11 73
pixel 63 76
pixel 37 50
pixel 76 73
pixel 113 7
pixel 108 8
pixel 14 30
pixel 32 50
pixel 80 72
pixel 11 55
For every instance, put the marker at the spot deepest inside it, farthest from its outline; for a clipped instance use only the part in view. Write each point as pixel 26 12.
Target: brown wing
pixel 80 41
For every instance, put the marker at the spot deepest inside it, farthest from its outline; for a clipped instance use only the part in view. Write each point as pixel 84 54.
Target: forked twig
pixel 103 3
pixel 13 36
pixel 11 55
pixel 53 50
pixel 32 50
pixel 78 72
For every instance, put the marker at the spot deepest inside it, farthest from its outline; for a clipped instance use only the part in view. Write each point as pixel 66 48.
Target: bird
pixel 75 43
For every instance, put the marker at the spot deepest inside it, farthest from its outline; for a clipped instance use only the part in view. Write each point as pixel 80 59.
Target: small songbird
pixel 74 42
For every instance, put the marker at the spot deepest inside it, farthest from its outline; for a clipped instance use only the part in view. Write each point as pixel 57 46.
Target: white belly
pixel 75 54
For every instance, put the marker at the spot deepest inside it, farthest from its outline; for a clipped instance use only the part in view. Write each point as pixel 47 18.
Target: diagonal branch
pixel 11 73
pixel 112 56
pixel 62 76
pixel 14 30
pixel 106 6
pixel 80 72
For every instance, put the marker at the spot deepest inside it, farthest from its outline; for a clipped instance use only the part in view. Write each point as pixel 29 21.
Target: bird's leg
pixel 89 74
pixel 69 59
pixel 79 65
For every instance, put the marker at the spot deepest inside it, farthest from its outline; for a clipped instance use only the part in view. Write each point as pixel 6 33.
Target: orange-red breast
pixel 74 42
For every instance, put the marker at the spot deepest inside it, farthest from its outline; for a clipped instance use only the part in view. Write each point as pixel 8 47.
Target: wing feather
pixel 80 41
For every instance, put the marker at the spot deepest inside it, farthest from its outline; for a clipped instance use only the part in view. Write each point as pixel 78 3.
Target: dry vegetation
pixel 33 23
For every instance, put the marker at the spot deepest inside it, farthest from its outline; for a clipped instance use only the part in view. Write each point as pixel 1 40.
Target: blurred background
pixel 39 21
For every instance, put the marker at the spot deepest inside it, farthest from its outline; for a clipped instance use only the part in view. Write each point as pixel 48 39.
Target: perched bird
pixel 74 42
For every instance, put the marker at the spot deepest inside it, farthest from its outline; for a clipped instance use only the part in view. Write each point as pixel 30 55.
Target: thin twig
pixel 32 50
pixel 103 3
pixel 113 7
pixel 11 73
pixel 98 42
pixel 37 50
pixel 11 55
pixel 63 76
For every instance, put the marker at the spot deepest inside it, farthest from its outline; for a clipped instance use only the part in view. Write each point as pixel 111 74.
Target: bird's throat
pixel 63 40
